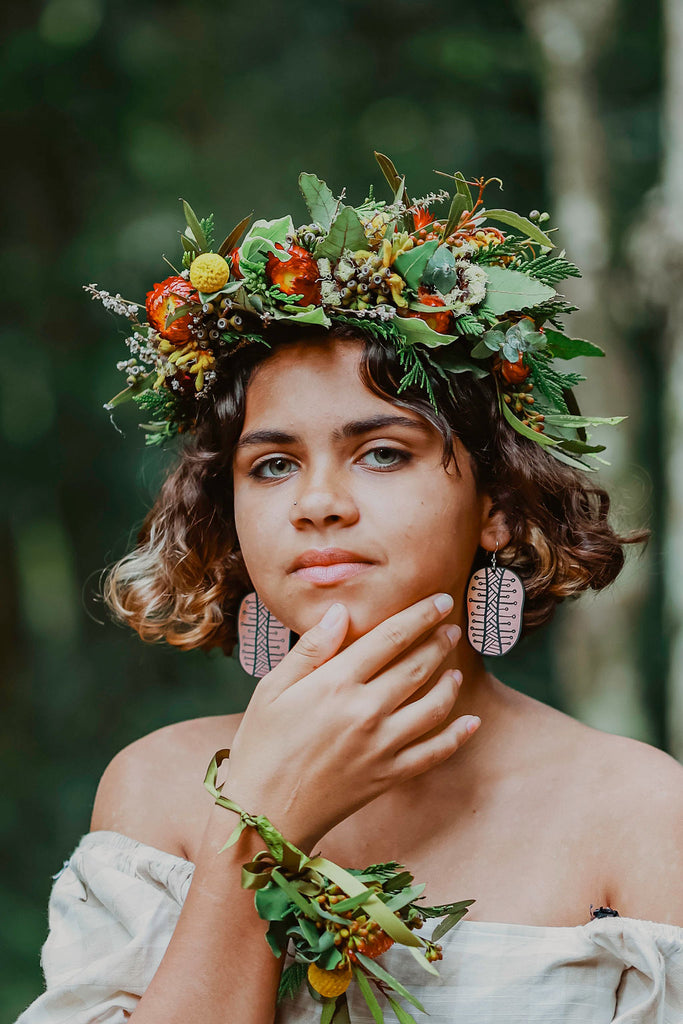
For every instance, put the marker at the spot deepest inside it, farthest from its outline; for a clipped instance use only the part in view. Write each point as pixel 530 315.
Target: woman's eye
pixel 279 466
pixel 387 458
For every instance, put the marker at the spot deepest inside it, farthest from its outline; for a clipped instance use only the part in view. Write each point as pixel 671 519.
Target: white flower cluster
pixel 433 197
pixel 114 303
pixel 470 289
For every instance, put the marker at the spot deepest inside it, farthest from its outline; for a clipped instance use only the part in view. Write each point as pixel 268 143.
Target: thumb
pixel 313 648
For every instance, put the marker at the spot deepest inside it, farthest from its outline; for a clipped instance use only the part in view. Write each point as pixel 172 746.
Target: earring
pixel 263 639
pixel 495 599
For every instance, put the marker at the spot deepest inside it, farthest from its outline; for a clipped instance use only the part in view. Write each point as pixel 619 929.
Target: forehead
pixel 314 382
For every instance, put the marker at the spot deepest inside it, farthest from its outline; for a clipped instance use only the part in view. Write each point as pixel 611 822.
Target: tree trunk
pixel 597 662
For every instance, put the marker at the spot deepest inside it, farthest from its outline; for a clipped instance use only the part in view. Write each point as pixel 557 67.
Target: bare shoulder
pixel 152 789
pixel 642 819
pixel 631 797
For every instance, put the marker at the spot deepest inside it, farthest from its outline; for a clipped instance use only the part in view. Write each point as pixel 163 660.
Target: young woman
pixel 357 515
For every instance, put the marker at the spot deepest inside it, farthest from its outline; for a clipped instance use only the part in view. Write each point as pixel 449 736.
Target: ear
pixel 495 532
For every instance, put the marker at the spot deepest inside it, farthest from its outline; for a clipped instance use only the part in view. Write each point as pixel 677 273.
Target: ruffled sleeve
pixel 112 911
pixel 651 986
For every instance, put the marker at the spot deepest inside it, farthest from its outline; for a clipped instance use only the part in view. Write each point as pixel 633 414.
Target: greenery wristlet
pixel 339 920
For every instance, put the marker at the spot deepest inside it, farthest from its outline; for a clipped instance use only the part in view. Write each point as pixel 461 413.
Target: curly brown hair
pixel 184 580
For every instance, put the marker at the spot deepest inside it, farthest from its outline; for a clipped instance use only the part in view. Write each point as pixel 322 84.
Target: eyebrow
pixel 353 429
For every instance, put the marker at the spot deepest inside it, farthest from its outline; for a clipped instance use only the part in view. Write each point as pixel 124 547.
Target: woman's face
pixel 323 463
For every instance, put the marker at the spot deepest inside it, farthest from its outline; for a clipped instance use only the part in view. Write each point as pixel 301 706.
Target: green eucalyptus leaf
pixel 194 225
pixel 328 1011
pixel 561 456
pixel 391 174
pixel 446 908
pixel 458 207
pixel 562 347
pixel 454 362
pixel 398 882
pixel 350 903
pixel 411 265
pixel 346 232
pixel 417 332
pixel 448 922
pixel 511 290
pixel 563 420
pixel 262 238
pixel 319 199
pixel 315 315
pixel 232 240
pixel 141 384
pixel 533 435
pixel 523 224
pixel 402 1016
pixel 580 447
pixel 276 937
pixel 329 958
pixel 463 189
pixel 189 245
pixel 383 975
pixel 308 906
pixel 272 903
pixel 406 896
pixel 368 995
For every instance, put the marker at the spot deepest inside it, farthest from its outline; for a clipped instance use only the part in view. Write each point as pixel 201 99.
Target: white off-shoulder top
pixel 115 903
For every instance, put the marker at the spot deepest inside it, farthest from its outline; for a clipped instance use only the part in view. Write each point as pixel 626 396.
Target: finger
pixel 366 656
pixel 425 754
pixel 312 649
pixel 403 679
pixel 413 721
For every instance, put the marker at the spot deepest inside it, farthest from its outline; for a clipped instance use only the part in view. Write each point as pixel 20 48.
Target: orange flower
pixel 299 275
pixel 165 298
pixel 439 322
pixel 422 217
pixel 515 373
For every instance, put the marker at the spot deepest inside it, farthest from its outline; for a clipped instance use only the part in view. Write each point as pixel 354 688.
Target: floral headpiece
pixel 451 295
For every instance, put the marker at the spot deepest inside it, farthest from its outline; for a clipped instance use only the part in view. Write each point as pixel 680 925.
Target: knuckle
pixel 417 671
pixel 307 646
pixel 393 634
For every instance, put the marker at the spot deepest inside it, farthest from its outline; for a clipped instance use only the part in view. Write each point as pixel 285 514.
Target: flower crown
pixel 450 295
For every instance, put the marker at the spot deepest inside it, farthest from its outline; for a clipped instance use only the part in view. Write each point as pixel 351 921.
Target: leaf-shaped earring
pixel 263 639
pixel 495 600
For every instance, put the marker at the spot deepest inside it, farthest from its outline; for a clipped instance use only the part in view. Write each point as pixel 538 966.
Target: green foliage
pixel 551 383
pixel 291 980
pixel 207 227
pixel 548 269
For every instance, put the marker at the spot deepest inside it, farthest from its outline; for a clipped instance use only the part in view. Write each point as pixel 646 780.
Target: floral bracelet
pixel 340 921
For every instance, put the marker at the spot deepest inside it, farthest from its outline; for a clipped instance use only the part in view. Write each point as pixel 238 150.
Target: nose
pixel 321 499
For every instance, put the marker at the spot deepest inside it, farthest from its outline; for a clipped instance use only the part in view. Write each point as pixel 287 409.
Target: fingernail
pixel 453 634
pixel 473 723
pixel 332 616
pixel 443 602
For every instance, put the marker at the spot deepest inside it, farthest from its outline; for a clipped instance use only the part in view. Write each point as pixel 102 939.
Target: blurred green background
pixel 112 112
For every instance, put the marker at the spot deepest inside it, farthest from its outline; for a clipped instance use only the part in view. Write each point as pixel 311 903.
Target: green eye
pixel 276 464
pixel 387 457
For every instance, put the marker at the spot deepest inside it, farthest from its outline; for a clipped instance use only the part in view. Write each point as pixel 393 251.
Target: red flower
pixel 515 373
pixel 165 298
pixel 439 322
pixel 299 275
pixel 235 264
pixel 422 217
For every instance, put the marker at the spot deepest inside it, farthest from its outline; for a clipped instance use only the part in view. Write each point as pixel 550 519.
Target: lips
pixel 327 556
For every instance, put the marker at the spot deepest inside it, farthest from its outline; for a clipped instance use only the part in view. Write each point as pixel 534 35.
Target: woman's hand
pixel 326 733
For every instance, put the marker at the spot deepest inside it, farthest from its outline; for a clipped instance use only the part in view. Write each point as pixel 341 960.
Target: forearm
pixel 218 967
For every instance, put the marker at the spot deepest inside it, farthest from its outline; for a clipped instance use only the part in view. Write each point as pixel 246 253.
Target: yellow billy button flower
pixel 209 272
pixel 329 983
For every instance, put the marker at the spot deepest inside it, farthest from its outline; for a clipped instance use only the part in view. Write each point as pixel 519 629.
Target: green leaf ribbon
pixel 289 857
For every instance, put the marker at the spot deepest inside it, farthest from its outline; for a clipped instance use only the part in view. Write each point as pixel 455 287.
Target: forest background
pixel 113 111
